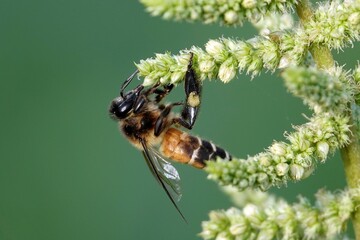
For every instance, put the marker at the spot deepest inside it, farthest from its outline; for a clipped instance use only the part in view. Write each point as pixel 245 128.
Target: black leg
pixel 182 122
pixel 161 93
pixel 139 103
pixel 143 98
pixel 152 89
pixel 193 94
pixel 161 123
pixel 126 83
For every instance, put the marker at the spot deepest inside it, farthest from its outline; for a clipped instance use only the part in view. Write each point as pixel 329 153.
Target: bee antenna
pixel 127 82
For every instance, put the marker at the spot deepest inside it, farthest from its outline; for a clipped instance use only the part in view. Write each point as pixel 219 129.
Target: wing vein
pixel 155 173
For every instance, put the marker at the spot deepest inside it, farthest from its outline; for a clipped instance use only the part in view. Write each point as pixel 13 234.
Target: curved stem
pixel 350 153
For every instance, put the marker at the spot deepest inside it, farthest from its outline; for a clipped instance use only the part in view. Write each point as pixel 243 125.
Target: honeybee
pixel 153 128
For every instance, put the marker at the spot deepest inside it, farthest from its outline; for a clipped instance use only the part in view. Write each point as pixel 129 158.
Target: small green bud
pixel 183 59
pixel 243 184
pixel 165 79
pixel 255 66
pixel 207 66
pixel 308 171
pixel 217 216
pixel 249 4
pixel 338 32
pixel 238 228
pixel 357 74
pixel 284 62
pixel 268 230
pixel 322 149
pixel 227 70
pixel 278 149
pixel 165 58
pixel 264 160
pixel 168 15
pixel 243 53
pixel 148 81
pixel 230 44
pixel 269 52
pixel 273 22
pixel 214 48
pixel 177 77
pixel 251 212
pixel 231 17
pixel 304 160
pixel 145 67
pixel 263 180
pixel 354 18
pixel 223 236
pixel 296 171
pixel 208 8
pixel 282 169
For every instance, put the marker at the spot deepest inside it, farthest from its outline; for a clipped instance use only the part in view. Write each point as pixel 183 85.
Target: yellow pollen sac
pixel 193 99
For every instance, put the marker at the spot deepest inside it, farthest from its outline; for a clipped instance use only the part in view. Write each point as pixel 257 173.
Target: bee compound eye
pixel 114 107
pixel 120 108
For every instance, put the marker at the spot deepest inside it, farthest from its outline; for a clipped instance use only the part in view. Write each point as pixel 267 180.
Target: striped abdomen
pixel 182 147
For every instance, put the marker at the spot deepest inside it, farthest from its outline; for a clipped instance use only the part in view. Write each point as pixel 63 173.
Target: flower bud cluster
pixel 335 23
pixel 226 12
pixel 294 48
pixel 164 68
pixel 323 91
pixel 282 161
pixel 253 196
pixel 272 22
pixel 326 219
pixel 222 58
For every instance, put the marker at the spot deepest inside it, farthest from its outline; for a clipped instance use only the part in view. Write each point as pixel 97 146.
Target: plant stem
pixel 351 152
pixel 321 54
pixel 351 158
pixel 322 57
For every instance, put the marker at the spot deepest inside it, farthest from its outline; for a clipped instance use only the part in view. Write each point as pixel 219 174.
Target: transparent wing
pixel 164 173
pixel 168 173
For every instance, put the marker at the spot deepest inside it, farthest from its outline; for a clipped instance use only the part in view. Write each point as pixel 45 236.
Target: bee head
pixel 123 105
pixel 120 107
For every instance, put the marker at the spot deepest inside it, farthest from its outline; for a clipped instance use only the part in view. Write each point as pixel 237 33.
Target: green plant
pixel 302 51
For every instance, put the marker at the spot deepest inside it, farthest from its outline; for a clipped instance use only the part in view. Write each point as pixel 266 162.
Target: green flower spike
pixel 335 24
pixel 309 144
pixel 275 218
pixel 232 12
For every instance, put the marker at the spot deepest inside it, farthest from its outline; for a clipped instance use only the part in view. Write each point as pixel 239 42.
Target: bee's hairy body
pixel 173 143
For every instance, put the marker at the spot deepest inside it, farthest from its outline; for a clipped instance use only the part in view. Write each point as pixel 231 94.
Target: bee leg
pixel 126 83
pixel 161 123
pixel 161 93
pixel 152 89
pixel 143 98
pixel 139 103
pixel 183 123
pixel 193 92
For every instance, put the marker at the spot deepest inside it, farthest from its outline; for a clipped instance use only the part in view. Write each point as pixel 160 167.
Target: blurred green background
pixel 65 170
